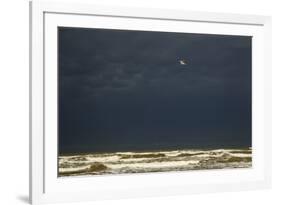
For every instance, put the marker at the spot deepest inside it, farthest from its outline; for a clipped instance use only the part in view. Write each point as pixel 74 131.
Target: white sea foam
pixel 103 159
pixel 240 155
pixel 73 169
pixel 132 162
pixel 154 164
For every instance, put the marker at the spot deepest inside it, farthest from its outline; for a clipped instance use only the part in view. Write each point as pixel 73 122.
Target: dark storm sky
pixel 126 90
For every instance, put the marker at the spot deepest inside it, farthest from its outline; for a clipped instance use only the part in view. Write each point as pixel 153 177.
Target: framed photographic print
pixel 130 102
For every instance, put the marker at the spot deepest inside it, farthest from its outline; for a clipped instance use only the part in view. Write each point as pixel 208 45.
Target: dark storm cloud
pixel 122 88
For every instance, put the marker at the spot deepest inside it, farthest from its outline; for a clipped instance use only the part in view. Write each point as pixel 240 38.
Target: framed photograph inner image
pixel 149 101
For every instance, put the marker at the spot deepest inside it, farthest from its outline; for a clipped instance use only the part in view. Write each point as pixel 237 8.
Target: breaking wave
pixel 159 161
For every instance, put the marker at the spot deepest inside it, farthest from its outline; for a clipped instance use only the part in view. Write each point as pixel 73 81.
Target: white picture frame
pixel 45 187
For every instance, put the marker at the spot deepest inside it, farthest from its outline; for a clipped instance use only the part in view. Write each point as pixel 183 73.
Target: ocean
pixel 153 161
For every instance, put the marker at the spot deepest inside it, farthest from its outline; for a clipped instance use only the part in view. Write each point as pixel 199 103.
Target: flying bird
pixel 183 62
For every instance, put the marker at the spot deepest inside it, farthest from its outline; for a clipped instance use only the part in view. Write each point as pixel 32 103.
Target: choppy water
pixel 160 161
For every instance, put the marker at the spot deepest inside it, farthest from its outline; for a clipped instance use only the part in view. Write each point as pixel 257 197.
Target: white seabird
pixel 183 62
